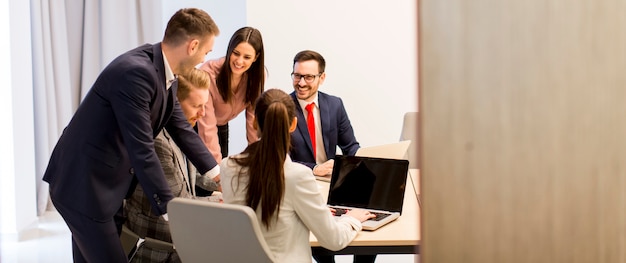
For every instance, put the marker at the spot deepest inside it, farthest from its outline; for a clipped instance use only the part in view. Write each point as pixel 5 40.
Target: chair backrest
pixel 410 131
pixel 214 232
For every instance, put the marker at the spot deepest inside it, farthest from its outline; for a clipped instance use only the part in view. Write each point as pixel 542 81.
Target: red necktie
pixel 310 122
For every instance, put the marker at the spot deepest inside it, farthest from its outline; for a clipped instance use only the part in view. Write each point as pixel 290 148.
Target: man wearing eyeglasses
pixel 323 124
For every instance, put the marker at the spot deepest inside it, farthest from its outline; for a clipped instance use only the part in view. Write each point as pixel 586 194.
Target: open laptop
pixel 374 184
pixel 396 150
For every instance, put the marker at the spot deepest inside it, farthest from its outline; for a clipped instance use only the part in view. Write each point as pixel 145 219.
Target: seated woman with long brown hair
pixel 283 193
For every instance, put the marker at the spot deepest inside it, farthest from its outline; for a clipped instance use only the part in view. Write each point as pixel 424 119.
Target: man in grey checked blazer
pixel 181 175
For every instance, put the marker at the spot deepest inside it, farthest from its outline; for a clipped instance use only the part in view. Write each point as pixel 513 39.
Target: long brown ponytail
pixel 264 162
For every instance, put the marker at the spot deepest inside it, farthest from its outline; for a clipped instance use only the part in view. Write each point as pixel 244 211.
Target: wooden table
pixel 401 236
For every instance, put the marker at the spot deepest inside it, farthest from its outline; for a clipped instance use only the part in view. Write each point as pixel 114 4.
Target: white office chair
pixel 213 232
pixel 410 131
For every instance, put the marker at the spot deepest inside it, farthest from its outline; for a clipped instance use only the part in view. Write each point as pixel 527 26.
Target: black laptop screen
pixel 367 182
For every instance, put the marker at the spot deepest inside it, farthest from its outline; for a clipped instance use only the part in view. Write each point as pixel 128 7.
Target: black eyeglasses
pixel 308 78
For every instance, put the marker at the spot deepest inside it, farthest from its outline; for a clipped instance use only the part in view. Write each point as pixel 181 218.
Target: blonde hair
pixel 194 78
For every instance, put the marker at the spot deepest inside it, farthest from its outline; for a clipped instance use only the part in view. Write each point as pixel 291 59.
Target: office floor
pixel 50 242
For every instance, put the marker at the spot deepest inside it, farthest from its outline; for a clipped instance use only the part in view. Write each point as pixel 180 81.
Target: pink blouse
pixel 218 112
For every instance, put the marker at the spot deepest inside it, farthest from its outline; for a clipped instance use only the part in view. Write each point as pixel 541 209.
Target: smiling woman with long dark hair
pixel 237 81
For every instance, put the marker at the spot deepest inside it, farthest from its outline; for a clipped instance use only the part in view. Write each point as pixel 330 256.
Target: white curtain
pixel 73 40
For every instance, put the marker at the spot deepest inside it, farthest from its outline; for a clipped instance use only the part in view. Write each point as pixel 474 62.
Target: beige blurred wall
pixel 523 107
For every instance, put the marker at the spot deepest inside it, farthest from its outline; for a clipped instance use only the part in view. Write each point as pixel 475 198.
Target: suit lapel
pixel 302 128
pixel 180 160
pixel 162 93
pixel 192 177
pixel 170 100
pixel 324 121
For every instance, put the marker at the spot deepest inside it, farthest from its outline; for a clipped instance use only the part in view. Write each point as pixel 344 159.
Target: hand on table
pixel 324 169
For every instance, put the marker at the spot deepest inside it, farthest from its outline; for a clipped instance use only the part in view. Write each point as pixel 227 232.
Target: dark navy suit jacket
pixel 336 131
pixel 109 141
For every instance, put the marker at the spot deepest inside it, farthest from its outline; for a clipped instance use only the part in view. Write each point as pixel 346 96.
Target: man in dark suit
pixel 323 124
pixel 108 146
pixel 332 125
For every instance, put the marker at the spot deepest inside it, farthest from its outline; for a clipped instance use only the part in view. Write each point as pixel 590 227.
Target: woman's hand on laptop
pixel 324 169
pixel 360 214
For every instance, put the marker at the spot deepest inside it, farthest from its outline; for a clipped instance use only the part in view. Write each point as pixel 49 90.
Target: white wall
pixel 17 150
pixel 370 52
pixel 369 47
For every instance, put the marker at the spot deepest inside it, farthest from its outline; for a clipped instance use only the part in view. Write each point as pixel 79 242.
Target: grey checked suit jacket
pixel 181 176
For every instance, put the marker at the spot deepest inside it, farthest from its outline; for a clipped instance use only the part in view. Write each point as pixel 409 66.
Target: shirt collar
pixel 169 74
pixel 304 103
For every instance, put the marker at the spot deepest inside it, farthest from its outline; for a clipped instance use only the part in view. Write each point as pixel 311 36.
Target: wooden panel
pixel 523 130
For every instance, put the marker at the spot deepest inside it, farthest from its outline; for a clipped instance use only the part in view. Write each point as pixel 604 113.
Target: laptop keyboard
pixel 379 216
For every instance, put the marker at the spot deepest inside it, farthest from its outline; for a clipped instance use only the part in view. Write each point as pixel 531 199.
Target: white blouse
pixel 301 211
